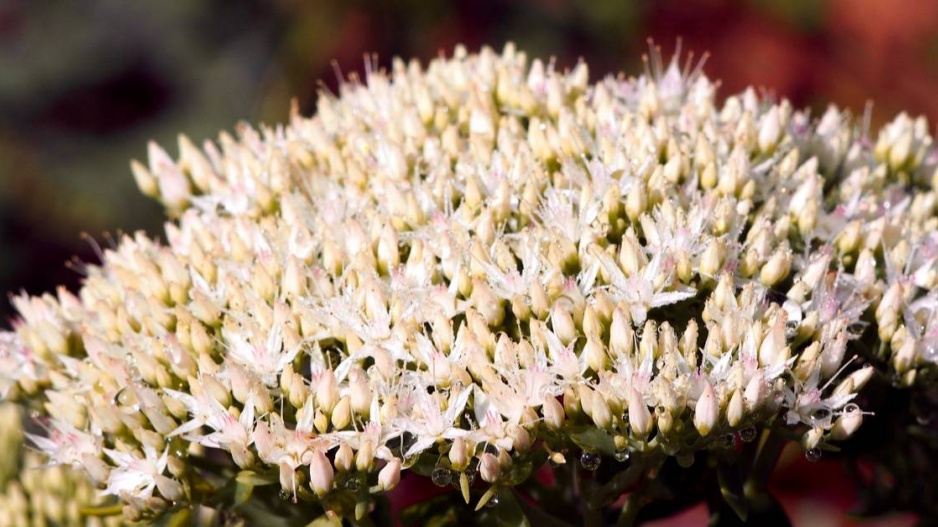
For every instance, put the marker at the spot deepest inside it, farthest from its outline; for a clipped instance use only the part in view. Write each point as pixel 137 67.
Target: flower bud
pixel 365 457
pixel 846 425
pixel 390 475
pixel 459 454
pixel 342 414
pixel 327 393
pixel 640 419
pixel 812 437
pixel 736 409
pixel 520 438
pixel 600 411
pixel 711 261
pixel 754 394
pixel 489 468
pixel 707 411
pixel 553 413
pixel 321 474
pixel 777 268
pixel 344 458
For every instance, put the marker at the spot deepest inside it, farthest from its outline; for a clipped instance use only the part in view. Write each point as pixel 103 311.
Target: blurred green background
pixel 85 83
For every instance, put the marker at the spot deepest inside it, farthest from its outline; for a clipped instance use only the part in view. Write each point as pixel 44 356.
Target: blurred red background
pixel 84 85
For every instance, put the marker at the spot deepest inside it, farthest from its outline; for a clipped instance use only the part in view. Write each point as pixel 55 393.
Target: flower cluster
pixel 481 263
pixel 33 495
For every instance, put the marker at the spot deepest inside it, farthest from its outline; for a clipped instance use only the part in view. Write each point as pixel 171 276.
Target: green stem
pixel 765 462
pixel 537 516
pixel 100 512
pixel 633 505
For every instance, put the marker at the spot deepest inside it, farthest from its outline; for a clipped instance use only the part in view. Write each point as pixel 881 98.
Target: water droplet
pixel 441 476
pixel 492 502
pixel 820 414
pixel 352 484
pixel 748 434
pixel 590 461
pixel 285 495
pixel 727 440
pixel 685 460
pixel 851 408
pixel 622 455
pixel 813 454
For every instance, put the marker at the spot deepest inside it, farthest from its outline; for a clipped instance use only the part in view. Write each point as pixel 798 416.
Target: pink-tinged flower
pixel 65 444
pixel 435 424
pixel 646 290
pixel 133 476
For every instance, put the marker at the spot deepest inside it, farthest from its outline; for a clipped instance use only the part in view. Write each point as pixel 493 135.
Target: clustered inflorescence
pixel 481 265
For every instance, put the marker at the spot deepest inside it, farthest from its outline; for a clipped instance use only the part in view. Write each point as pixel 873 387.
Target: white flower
pixel 135 476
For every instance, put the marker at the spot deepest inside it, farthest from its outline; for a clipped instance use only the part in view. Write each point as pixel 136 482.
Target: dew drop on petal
pixel 622 455
pixel 813 454
pixel 590 461
pixel 492 502
pixel 441 476
pixel 748 434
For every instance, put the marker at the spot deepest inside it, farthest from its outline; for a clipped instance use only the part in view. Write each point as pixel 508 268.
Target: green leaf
pixel 181 518
pixel 243 492
pixel 436 511
pixel 508 512
pixel 423 464
pixel 255 479
pixel 594 439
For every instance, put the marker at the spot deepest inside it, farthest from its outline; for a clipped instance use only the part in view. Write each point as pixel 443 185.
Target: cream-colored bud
pixel 520 438
pixel 621 334
pixel 489 468
pixel 812 438
pixel 771 349
pixel 459 454
pixel 777 268
pixel 599 411
pixel 846 425
pixel 146 182
pixel 344 458
pixel 360 393
pixel 563 324
pixel 321 473
pixel 342 414
pixel 170 489
pixel 770 130
pixel 636 201
pixel 327 392
pixel 390 474
pixel 711 261
pixel 707 411
pixel 595 355
pixel 365 457
pixel 321 421
pixel 553 413
pixel 735 410
pixel 640 419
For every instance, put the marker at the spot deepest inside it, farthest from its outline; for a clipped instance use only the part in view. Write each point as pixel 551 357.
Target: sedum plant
pixel 568 301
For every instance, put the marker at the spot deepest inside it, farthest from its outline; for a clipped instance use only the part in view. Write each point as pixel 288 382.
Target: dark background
pixel 84 84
